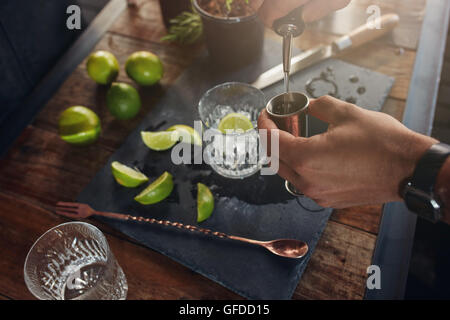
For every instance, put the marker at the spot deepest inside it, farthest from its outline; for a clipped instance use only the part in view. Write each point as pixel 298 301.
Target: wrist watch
pixel 418 190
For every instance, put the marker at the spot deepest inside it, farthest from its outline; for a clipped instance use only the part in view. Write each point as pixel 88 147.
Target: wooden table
pixel 41 169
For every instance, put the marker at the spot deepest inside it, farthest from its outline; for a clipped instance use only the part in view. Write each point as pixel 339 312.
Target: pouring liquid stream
pixel 286 82
pixel 286 104
pixel 287 55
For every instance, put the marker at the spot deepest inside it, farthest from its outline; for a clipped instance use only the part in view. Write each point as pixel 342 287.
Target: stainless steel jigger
pixel 289 112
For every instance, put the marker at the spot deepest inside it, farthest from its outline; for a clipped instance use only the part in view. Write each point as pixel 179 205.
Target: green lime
pixel 205 202
pixel 144 67
pixel 161 140
pixel 157 191
pixel 126 176
pixel 123 101
pixel 102 67
pixel 79 125
pixel 235 121
pixel 82 138
pixel 187 134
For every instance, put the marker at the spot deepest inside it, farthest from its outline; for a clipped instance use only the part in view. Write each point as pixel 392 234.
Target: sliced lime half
pixel 187 134
pixel 157 191
pixel 205 202
pixel 235 122
pixel 127 176
pixel 161 140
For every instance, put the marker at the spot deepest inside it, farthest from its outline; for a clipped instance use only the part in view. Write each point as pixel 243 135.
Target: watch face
pixel 423 204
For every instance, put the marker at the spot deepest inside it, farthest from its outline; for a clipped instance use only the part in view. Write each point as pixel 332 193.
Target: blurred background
pixel 33 37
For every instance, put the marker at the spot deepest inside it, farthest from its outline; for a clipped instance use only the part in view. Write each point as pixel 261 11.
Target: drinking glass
pixel 73 261
pixel 234 154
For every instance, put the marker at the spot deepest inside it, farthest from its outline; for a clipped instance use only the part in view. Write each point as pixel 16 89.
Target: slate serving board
pixel 257 207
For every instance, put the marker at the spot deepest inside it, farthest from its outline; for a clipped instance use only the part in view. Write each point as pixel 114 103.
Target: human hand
pixel 360 160
pixel 312 9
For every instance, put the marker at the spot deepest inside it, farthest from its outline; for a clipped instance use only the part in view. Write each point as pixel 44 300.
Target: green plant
pixel 228 3
pixel 186 28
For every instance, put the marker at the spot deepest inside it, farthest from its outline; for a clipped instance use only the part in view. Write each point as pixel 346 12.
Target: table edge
pixel 395 239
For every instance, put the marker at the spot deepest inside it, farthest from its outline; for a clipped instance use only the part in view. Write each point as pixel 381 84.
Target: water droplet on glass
pixel 353 79
pixel 361 90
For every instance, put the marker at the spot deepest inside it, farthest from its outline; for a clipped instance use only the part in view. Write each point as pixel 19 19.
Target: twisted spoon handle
pixel 178 225
pixel 288 248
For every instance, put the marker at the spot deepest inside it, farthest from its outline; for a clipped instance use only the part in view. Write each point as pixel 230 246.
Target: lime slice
pixel 161 140
pixel 126 176
pixel 79 125
pixel 234 122
pixel 205 202
pixel 187 134
pixel 157 191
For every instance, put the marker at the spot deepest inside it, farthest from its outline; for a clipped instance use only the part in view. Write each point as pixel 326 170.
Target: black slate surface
pixel 257 207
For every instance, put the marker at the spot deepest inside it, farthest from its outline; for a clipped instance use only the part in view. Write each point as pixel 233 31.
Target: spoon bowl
pixel 288 248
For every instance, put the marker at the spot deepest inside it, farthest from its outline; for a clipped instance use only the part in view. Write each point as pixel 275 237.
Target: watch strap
pixel 428 167
pixel 418 192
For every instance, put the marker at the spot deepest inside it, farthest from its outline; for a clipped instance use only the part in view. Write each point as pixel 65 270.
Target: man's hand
pixel 361 159
pixel 312 9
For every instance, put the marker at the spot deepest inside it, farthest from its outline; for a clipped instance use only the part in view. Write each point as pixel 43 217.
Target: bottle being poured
pixel 289 27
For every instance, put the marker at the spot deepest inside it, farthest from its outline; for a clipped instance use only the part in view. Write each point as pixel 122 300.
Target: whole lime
pixel 102 67
pixel 123 101
pixel 79 125
pixel 144 67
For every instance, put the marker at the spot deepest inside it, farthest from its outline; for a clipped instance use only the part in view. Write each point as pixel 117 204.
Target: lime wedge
pixel 126 176
pixel 205 202
pixel 187 134
pixel 161 140
pixel 234 122
pixel 157 191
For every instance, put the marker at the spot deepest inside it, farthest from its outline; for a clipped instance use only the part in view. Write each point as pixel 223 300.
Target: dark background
pixel 33 36
pixel 429 273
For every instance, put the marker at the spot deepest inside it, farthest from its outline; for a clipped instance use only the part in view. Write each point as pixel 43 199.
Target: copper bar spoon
pixel 289 248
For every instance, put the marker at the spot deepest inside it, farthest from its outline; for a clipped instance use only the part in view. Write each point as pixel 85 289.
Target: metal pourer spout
pixel 287 56
pixel 289 27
